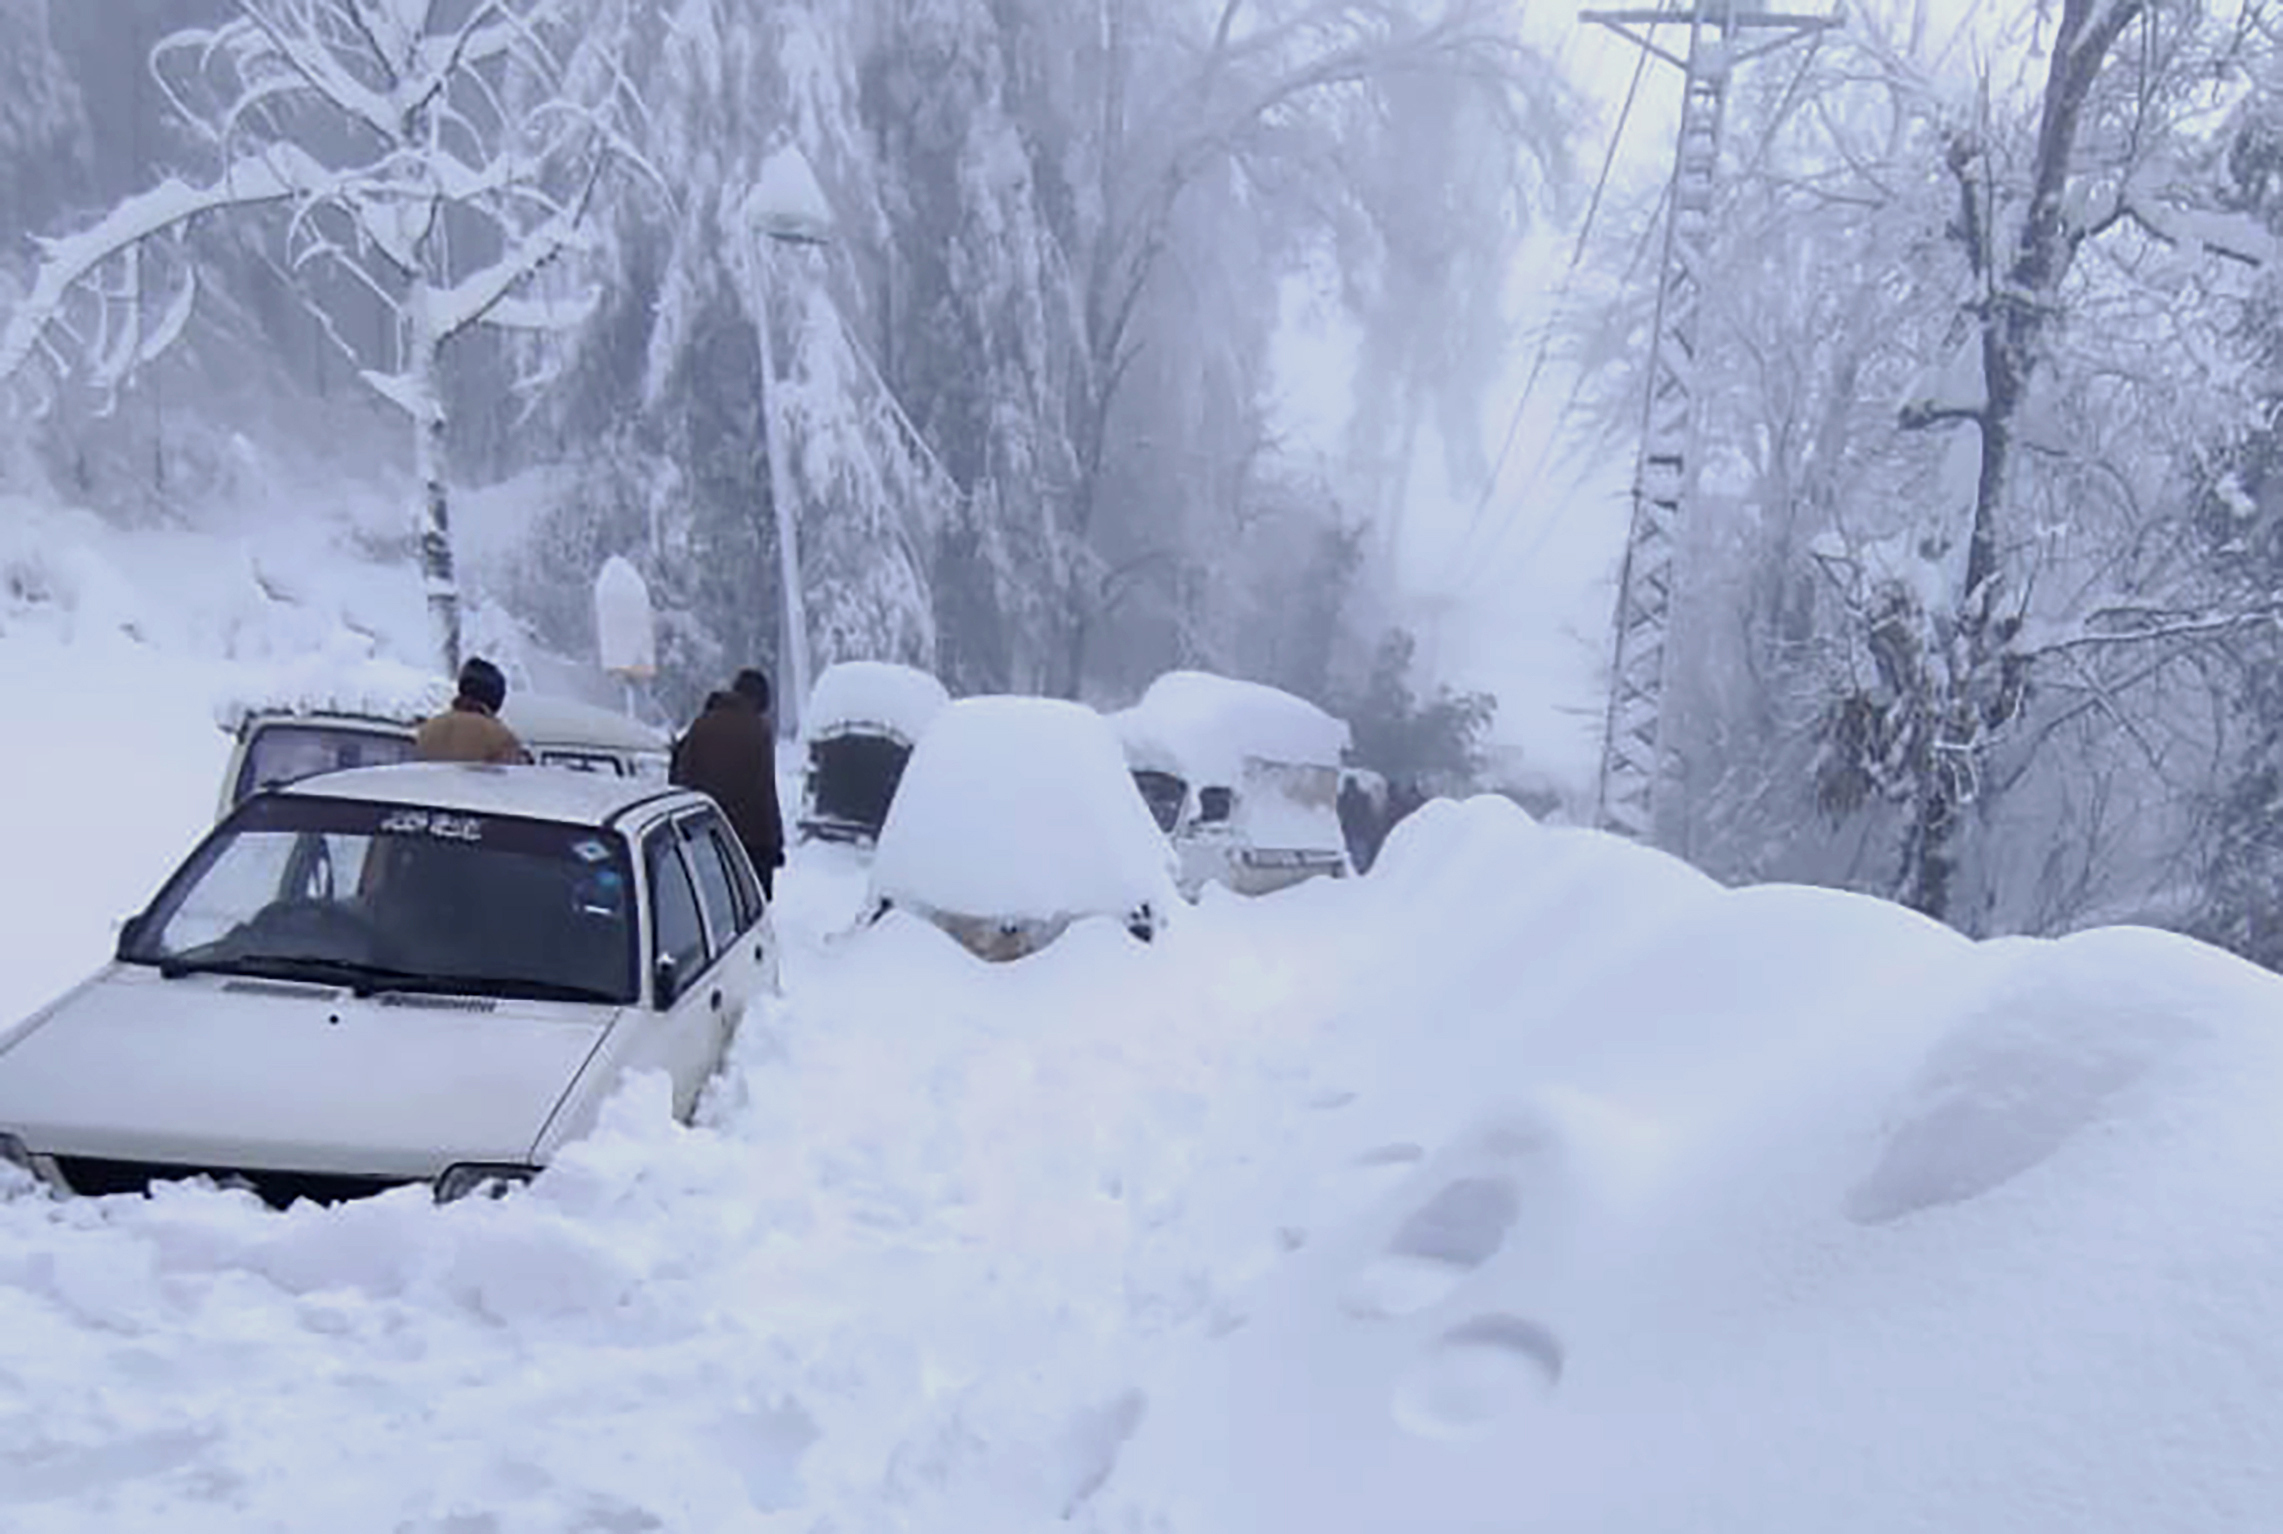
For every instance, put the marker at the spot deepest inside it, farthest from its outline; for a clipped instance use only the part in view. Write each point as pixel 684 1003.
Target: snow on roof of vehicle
pixel 544 719
pixel 534 793
pixel 1021 807
pixel 1209 724
pixel 358 689
pixel 399 694
pixel 852 694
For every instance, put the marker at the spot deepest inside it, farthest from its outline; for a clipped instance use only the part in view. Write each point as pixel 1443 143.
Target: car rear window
pixel 280 754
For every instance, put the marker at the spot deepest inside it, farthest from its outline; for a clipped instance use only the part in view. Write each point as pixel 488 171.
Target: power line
pixel 1457 557
pixel 1489 566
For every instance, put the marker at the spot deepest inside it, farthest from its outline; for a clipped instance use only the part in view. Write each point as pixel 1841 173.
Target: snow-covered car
pixel 368 720
pixel 1016 817
pixel 421 973
pixel 862 720
pixel 1244 777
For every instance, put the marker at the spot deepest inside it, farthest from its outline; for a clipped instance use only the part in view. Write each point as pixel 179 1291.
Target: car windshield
pixel 1164 794
pixel 279 754
pixel 387 897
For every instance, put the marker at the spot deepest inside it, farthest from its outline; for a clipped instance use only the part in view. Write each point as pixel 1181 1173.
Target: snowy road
pixel 1532 1181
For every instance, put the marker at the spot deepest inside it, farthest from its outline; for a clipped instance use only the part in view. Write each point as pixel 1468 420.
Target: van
pixel 1243 777
pixel 369 721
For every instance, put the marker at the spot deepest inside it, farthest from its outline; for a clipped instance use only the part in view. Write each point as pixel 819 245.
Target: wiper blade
pixel 363 979
pixel 375 979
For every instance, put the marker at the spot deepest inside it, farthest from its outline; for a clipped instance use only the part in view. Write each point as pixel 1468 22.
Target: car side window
pixel 716 890
pixel 677 931
pixel 750 901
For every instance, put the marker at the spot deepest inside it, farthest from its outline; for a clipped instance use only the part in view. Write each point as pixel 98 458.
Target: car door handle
pixel 715 1000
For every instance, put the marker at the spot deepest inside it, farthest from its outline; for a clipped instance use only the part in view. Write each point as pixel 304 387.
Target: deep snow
pixel 1531 1181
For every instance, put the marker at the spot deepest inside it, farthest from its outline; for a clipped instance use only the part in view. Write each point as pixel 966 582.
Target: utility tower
pixel 1633 759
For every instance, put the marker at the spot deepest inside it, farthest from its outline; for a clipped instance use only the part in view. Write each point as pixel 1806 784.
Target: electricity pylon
pixel 1633 758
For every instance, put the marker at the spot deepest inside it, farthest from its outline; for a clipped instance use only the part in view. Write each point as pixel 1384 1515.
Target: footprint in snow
pixel 1475 1375
pixel 1451 1235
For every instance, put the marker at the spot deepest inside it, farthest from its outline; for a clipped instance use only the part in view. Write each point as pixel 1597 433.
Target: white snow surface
pixel 1532 1180
pixel 873 694
pixel 1209 724
pixel 1021 808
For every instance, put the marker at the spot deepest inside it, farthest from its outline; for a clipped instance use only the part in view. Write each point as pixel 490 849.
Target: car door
pixel 732 915
pixel 686 1033
pixel 757 928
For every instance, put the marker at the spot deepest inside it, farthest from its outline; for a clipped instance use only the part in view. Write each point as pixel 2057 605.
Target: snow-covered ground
pixel 1530 1182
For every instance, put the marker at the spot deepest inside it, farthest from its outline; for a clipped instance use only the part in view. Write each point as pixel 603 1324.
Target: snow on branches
pixel 436 162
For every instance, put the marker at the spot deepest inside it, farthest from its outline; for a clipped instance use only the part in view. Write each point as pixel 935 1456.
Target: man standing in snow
pixel 470 730
pixel 730 752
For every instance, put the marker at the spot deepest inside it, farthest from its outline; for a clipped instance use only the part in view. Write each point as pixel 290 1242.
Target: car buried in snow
pixel 426 973
pixel 1015 819
pixel 1244 777
pixel 368 719
pixel 862 720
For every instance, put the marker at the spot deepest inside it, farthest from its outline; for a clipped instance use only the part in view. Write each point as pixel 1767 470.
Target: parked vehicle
pixel 1016 818
pixel 862 721
pixel 425 973
pixel 1244 777
pixel 368 721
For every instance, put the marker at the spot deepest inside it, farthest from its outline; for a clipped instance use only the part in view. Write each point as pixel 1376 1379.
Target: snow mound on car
pixel 1209 724
pixel 903 699
pixel 359 686
pixel 1021 808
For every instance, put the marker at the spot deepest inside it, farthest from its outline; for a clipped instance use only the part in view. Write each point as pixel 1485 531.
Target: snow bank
pixel 1535 1180
pixel 1209 724
pixel 873 694
pixel 1674 1208
pixel 1020 808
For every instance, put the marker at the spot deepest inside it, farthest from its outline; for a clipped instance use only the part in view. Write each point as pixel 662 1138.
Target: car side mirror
pixel 665 981
pixel 130 934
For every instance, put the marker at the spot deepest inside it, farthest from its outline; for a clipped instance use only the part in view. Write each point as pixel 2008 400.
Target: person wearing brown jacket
pixel 730 752
pixel 470 730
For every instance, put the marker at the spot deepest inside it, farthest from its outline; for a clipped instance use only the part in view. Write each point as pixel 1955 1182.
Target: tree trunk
pixel 2019 298
pixel 439 576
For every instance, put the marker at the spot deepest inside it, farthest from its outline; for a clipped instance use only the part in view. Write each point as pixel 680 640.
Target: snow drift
pixel 1532 1180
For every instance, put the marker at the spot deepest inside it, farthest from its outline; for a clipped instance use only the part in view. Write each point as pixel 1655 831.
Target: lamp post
pixel 785 207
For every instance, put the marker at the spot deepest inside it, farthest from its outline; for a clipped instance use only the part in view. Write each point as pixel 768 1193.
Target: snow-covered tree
pixel 423 167
pixel 1937 590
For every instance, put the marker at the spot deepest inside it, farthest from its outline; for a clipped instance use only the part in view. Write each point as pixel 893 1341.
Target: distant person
pixel 1359 822
pixel 470 730
pixel 730 752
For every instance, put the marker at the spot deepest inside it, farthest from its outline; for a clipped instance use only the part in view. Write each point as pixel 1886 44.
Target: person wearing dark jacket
pixel 470 730
pixel 730 752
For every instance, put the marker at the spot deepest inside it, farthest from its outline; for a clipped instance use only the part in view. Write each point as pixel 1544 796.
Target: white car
pixel 276 741
pixel 418 973
pixel 1015 818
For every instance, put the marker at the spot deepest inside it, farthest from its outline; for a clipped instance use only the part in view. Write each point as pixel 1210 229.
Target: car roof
pixel 534 793
pixel 547 720
pixel 537 718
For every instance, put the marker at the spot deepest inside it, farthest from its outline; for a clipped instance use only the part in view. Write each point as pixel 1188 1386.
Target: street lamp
pixel 785 207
